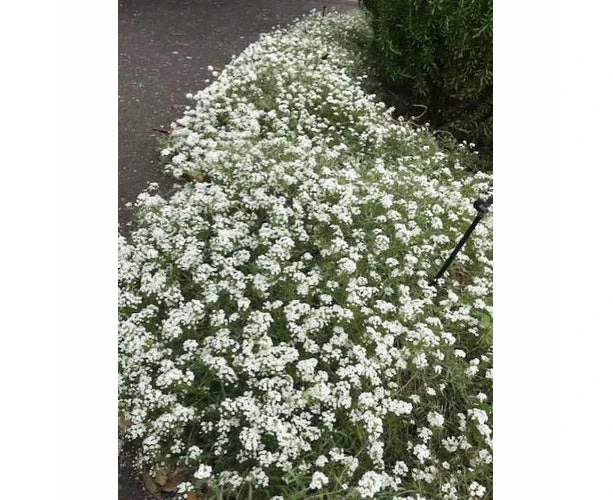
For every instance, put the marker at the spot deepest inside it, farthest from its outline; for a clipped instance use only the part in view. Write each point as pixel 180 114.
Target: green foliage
pixel 438 53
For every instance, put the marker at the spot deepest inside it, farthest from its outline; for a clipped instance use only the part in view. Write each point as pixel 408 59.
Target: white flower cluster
pixel 277 329
pixel 287 93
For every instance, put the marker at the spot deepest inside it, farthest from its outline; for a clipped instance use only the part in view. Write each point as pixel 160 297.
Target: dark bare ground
pixel 130 484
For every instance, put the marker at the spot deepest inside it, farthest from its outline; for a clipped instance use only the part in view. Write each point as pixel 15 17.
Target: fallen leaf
pixel 173 481
pixel 461 276
pixel 192 495
pixel 201 178
pixel 123 424
pixel 150 486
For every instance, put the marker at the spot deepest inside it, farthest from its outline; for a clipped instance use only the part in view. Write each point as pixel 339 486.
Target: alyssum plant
pixel 278 336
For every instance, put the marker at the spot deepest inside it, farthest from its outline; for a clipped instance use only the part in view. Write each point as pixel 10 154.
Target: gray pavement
pixel 165 47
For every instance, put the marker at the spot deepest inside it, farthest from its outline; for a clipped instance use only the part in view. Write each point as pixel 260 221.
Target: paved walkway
pixel 165 47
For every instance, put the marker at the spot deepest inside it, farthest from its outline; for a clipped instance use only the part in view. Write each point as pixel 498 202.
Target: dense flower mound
pixel 289 87
pixel 278 336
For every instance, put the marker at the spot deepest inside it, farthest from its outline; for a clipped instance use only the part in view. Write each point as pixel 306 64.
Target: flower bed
pixel 278 336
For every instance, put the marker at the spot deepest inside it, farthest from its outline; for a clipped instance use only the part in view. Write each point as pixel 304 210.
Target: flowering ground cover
pixel 278 335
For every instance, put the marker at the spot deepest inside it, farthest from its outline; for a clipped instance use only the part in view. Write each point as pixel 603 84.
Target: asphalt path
pixel 165 47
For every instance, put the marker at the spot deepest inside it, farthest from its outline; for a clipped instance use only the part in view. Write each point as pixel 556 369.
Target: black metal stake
pixel 482 208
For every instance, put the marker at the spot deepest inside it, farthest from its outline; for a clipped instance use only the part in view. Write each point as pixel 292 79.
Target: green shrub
pixel 439 53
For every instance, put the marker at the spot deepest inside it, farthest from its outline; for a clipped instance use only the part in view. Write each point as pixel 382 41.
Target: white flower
pixel 401 469
pixel 435 419
pixel 347 265
pixel 420 361
pixel 476 490
pixel 421 451
pixel 318 481
pixel 203 472
pixel 184 487
pixel 370 484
